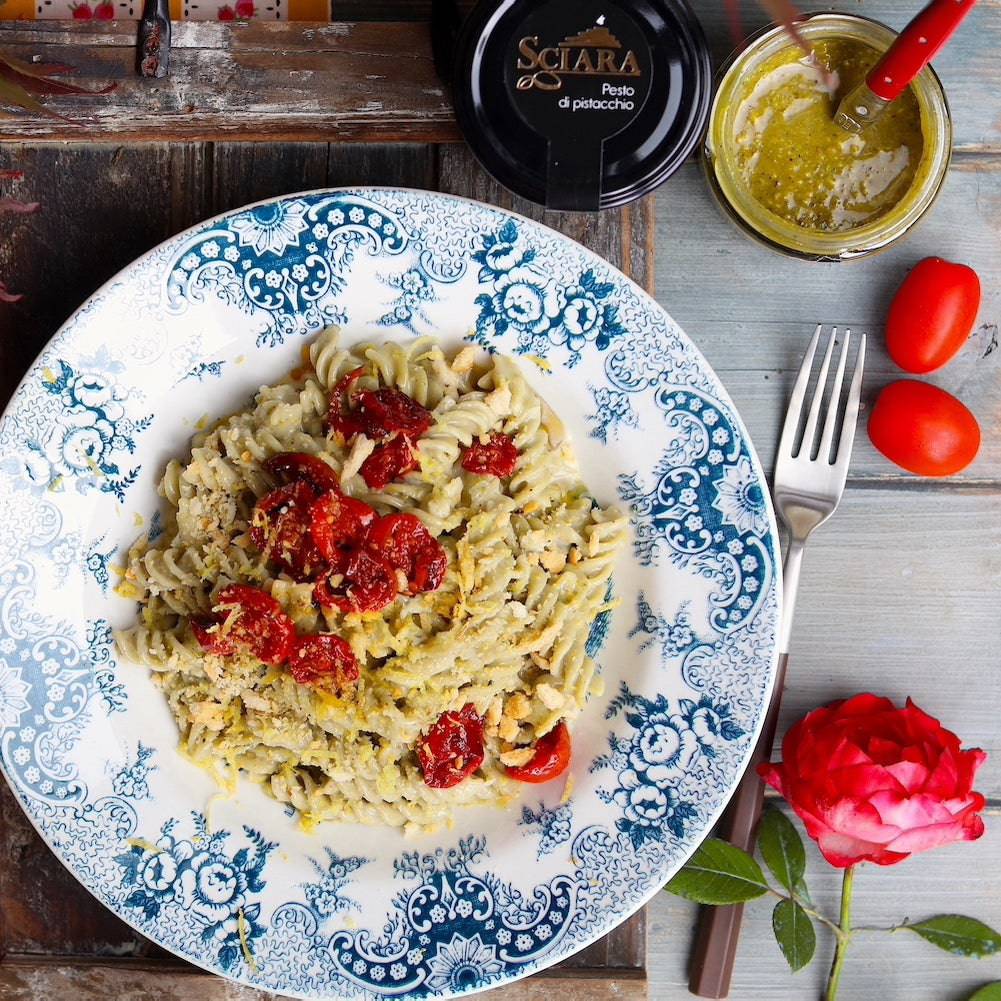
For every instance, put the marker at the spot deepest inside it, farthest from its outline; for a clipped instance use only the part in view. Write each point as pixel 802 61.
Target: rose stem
pixel 845 934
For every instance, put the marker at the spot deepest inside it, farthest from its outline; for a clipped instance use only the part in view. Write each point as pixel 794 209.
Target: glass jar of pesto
pixel 791 177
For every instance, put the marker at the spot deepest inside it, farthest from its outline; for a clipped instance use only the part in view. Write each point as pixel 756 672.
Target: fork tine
pixel 832 406
pixel 844 453
pixel 795 408
pixel 810 431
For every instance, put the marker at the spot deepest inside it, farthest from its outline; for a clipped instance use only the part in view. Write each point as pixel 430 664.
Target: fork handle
pixel 719 927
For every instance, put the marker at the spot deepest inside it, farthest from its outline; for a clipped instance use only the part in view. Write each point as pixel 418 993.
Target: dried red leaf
pixel 19 208
pixel 32 78
pixel 6 296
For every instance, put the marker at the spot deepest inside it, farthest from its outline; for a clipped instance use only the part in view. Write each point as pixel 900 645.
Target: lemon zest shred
pixel 241 927
pixel 144 844
pixel 540 362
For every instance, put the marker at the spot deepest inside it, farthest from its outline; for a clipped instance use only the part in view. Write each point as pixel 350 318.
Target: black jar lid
pixel 582 105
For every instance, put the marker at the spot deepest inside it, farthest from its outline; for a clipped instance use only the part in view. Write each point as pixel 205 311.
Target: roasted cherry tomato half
pixel 338 525
pixel 389 462
pixel 405 543
pixel 550 760
pixel 246 619
pixel 366 583
pixel 384 411
pixel 932 315
pixel 294 467
pixel 498 457
pixel 326 658
pixel 280 528
pixel 924 429
pixel 340 417
pixel 452 749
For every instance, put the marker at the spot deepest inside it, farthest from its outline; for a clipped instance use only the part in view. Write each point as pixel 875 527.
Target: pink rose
pixel 874 783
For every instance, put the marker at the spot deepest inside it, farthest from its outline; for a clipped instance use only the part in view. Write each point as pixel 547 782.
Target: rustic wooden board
pixel 95 219
pixel 30 980
pixel 259 80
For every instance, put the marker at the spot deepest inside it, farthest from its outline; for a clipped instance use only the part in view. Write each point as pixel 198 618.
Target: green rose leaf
pixel 989 992
pixel 719 873
pixel 958 934
pixel 794 933
pixel 782 848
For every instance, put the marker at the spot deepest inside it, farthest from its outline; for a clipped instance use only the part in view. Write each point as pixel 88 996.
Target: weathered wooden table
pixel 901 588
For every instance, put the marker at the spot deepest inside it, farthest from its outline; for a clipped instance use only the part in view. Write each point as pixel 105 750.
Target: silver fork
pixel 808 484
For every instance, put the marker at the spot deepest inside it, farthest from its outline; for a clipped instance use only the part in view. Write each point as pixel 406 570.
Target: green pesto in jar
pixel 798 163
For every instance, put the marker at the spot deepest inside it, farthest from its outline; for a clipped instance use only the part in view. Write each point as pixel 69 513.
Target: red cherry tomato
pixel 498 457
pixel 281 526
pixel 340 417
pixel 368 584
pixel 405 543
pixel 932 315
pixel 338 525
pixel 389 462
pixel 384 411
pixel 924 429
pixel 323 658
pixel 452 749
pixel 246 618
pixel 550 760
pixel 295 466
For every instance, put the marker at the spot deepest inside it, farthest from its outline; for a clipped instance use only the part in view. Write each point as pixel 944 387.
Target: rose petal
pixel 864 704
pixel 861 820
pixel 905 812
pixel 924 726
pixel 860 781
pixel 772 775
pixel 969 763
pixel 943 780
pixel 910 774
pixel 968 828
pixel 883 750
pixel 841 851
pixel 845 755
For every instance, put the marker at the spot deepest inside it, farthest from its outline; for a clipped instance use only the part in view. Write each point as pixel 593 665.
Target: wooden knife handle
pixel 719 927
pixel 916 46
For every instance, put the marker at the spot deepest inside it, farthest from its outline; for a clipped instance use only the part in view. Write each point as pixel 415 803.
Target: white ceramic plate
pixel 188 333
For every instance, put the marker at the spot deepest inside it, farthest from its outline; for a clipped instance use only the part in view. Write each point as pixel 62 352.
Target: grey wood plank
pixel 751 311
pixel 899 967
pixel 899 597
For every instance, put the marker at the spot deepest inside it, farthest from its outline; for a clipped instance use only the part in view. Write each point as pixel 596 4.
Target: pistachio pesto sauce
pixel 798 163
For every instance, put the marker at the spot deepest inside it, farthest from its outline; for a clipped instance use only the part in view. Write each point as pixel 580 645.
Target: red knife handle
pixel 916 46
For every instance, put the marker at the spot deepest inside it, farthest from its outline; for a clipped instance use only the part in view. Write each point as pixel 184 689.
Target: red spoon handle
pixel 916 46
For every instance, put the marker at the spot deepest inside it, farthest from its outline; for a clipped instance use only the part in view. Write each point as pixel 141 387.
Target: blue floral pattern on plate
pixel 232 883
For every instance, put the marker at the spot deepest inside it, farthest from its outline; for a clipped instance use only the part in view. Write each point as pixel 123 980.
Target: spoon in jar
pixel 909 54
